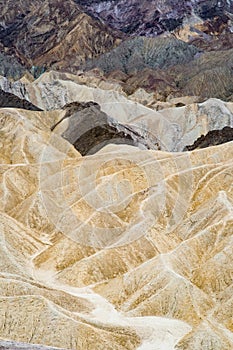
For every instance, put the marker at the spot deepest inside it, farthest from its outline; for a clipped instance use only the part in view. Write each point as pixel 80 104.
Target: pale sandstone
pixel 173 128
pixel 124 249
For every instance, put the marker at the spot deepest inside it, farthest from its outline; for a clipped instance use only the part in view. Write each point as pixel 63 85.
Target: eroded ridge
pixel 123 249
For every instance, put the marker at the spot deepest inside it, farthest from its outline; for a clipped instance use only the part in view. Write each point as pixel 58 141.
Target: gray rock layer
pixel 89 129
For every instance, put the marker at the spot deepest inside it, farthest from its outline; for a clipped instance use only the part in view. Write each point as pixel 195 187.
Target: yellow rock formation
pixel 124 249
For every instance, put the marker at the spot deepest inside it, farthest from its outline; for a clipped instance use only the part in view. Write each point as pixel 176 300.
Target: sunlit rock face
pixel 122 249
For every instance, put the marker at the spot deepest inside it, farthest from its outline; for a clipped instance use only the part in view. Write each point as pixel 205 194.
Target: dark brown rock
pixel 52 33
pixel 12 101
pixel 212 138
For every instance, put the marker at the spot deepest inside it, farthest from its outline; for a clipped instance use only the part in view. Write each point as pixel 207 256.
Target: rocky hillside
pixel 153 17
pixel 113 117
pixel 116 173
pixel 140 53
pixel 48 34
pixel 168 66
pixel 51 33
pixel 10 66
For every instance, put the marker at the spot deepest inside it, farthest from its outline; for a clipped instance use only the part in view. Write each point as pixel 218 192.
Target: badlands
pixel 116 168
pixel 124 247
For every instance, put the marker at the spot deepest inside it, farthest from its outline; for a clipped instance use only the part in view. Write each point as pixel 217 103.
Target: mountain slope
pixel 153 17
pixel 116 196
pixel 139 53
pixel 51 33
pixel 168 66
